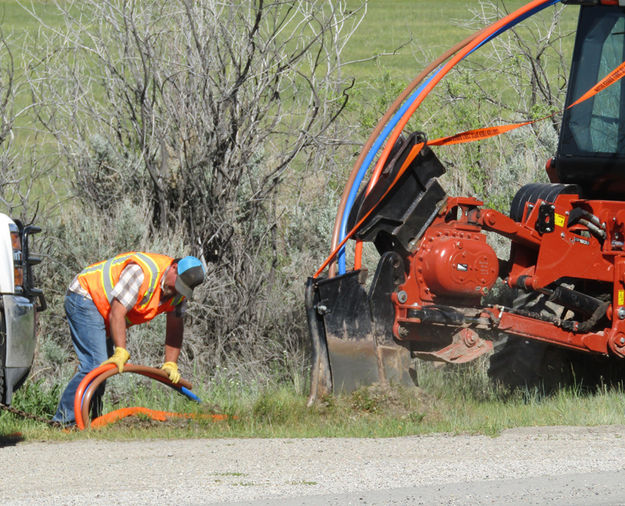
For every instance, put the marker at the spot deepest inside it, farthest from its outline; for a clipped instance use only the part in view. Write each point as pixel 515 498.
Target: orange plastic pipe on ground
pixel 160 416
pixel 93 379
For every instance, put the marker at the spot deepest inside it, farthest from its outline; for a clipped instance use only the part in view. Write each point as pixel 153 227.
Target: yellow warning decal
pixel 621 297
pixel 559 220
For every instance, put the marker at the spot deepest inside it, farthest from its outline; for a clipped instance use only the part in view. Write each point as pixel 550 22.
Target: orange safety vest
pixel 100 278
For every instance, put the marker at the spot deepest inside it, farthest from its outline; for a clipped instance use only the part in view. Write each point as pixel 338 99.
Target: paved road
pixel 551 465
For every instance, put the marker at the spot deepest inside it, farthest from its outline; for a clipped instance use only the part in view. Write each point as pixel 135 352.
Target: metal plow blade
pixel 351 347
pixel 359 362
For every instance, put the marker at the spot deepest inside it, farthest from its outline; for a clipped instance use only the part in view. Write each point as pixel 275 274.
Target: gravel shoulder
pixel 559 465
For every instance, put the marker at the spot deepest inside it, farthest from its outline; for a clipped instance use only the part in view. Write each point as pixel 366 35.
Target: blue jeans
pixel 88 332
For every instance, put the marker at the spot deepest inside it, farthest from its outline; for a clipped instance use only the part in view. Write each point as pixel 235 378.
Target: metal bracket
pixel 545 220
pixel 466 346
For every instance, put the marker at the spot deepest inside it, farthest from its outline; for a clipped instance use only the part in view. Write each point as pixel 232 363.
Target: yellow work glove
pixel 171 368
pixel 119 358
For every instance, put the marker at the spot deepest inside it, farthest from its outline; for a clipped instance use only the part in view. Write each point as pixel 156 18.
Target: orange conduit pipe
pixel 367 146
pixel 160 416
pixel 118 414
pixel 492 29
pixel 94 379
pixel 465 47
pixel 145 371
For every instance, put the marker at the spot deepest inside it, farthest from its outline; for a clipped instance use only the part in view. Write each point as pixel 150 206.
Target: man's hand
pixel 171 368
pixel 119 358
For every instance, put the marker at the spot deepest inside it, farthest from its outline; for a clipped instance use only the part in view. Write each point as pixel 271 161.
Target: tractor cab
pixel 591 149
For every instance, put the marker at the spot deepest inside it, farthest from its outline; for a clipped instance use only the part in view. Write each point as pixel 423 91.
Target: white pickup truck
pixel 20 302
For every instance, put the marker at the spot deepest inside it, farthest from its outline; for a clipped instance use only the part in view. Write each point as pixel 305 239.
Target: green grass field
pixel 425 29
pixel 420 30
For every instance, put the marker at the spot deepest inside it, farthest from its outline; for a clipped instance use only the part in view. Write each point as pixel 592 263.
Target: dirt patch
pixel 145 422
pixel 396 401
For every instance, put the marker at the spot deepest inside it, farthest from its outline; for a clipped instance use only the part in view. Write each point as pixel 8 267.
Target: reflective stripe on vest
pixel 105 269
pixel 99 280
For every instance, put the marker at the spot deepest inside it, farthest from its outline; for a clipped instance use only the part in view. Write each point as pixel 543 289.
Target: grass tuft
pixel 456 400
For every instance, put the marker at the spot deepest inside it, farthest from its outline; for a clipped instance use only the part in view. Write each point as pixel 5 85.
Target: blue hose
pixel 189 394
pixel 364 167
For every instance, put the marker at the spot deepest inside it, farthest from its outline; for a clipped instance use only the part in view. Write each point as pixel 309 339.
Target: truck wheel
pixel 3 343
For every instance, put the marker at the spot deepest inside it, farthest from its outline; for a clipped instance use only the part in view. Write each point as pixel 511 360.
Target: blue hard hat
pixel 190 274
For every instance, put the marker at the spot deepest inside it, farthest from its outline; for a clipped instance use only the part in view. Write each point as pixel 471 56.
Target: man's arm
pixel 124 296
pixel 117 323
pixel 173 337
pixel 173 342
pixel 117 330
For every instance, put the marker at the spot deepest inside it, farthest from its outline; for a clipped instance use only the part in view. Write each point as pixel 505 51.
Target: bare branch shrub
pixel 214 125
pixel 7 72
pixel 27 182
pixel 11 179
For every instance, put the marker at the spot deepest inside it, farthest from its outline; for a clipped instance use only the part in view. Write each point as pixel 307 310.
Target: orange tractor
pixel 429 297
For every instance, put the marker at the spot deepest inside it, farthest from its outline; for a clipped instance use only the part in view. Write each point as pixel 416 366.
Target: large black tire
pixel 525 364
pixel 529 365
